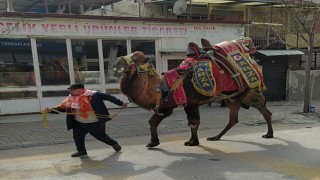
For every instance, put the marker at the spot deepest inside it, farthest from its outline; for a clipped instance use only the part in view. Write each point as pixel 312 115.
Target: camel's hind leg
pixel 193 117
pixel 267 116
pixel 256 99
pixel 234 108
pixel 154 122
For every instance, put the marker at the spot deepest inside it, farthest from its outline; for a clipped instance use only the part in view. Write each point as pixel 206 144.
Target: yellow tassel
pixel 45 117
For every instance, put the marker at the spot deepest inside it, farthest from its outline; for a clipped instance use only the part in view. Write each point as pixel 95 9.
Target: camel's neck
pixel 141 88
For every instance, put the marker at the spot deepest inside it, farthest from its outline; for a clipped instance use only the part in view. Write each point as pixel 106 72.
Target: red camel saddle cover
pixel 209 80
pixel 179 94
pixel 241 63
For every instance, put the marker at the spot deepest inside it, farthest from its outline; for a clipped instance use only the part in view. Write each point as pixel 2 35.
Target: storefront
pixel 41 56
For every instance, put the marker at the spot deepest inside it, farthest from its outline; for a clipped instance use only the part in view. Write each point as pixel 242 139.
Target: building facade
pixel 41 56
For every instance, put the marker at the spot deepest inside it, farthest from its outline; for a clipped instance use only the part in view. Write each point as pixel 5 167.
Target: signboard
pixel 106 28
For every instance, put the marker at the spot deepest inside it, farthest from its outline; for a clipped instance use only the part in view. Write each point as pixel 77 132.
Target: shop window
pixel 53 62
pixel 18 95
pixel 173 63
pixel 147 47
pixel 112 49
pixel 55 93
pixel 86 61
pixel 16 63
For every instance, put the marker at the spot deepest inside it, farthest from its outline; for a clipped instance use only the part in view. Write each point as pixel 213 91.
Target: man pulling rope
pixel 86 113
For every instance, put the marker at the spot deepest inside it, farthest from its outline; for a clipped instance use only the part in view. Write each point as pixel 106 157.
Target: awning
pixel 285 52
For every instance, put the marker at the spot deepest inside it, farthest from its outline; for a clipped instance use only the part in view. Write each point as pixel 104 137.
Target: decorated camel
pixel 218 72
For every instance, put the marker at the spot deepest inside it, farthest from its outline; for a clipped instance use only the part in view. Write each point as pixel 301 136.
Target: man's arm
pixel 113 99
pixel 54 110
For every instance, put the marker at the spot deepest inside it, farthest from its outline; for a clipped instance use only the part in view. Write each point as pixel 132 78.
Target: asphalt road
pixel 241 154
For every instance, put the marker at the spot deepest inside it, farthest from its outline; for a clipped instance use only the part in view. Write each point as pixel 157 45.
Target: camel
pixel 149 90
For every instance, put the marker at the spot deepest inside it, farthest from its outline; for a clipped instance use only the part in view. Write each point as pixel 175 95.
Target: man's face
pixel 76 92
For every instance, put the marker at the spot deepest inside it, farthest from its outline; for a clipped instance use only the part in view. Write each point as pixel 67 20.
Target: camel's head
pixel 135 59
pixel 247 44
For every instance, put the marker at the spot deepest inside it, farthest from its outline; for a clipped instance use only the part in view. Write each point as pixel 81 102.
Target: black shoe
pixel 79 153
pixel 116 147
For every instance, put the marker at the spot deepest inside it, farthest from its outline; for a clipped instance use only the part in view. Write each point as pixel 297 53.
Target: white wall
pixel 296 81
pixel 19 106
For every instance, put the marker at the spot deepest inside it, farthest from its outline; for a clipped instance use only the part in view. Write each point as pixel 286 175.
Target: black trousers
pixel 97 130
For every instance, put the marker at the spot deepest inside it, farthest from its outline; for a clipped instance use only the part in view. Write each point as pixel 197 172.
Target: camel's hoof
pixel 152 144
pixel 268 136
pixel 214 138
pixel 191 143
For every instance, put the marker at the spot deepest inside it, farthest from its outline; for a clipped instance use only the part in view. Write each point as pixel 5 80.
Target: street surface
pixel 32 152
pixel 292 154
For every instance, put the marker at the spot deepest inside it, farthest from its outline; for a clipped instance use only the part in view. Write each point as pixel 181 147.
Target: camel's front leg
pixel 193 122
pixel 154 122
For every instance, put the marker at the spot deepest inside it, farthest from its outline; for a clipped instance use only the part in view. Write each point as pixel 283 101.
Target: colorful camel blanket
pixel 241 63
pixel 179 95
pixel 203 79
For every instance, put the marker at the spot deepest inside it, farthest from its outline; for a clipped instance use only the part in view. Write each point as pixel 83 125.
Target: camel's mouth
pixel 124 62
pixel 118 70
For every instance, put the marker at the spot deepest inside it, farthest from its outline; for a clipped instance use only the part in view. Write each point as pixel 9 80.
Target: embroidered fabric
pixel 80 103
pixel 77 100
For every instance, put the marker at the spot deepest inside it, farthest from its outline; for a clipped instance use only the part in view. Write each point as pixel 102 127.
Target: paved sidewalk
pixel 18 131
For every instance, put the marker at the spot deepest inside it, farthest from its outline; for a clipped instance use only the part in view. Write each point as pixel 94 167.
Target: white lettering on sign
pixel 4 43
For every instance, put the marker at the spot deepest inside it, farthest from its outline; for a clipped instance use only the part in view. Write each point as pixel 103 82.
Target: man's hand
pixel 125 105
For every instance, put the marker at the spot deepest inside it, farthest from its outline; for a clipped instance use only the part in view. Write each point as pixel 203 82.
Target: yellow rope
pixel 46 110
pixel 45 118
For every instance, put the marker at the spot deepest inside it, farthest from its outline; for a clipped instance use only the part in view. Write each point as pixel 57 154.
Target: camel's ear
pixel 205 44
